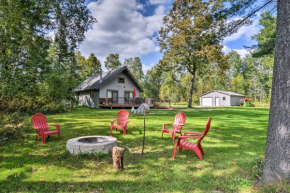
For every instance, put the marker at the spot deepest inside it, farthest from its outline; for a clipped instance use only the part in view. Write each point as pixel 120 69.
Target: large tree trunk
pixel 277 160
pixel 191 90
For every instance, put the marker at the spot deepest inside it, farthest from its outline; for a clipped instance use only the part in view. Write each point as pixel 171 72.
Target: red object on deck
pixel 180 119
pixel 197 148
pixel 122 121
pixel 39 122
pixel 134 92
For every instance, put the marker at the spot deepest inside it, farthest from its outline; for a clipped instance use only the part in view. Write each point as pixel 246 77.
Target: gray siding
pixel 90 99
pixel 214 95
pixel 236 100
pixel 120 87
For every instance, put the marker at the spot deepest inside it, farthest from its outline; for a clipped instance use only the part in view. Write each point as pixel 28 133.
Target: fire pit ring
pixel 91 144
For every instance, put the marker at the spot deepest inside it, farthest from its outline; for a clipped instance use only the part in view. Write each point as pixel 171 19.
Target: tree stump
pixel 118 157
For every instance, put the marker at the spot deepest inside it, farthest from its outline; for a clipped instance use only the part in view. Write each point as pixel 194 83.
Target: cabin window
pixel 128 94
pixel 121 80
pixel 224 98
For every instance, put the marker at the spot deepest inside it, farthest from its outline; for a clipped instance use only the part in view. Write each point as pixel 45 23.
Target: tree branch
pixel 246 18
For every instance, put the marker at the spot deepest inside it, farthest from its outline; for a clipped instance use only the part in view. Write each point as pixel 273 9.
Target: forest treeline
pixel 250 75
pixel 40 65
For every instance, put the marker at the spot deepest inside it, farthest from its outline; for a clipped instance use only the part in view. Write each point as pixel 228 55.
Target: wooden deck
pixel 122 105
pixel 127 102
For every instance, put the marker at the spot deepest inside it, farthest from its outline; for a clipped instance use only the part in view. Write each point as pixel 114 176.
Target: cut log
pixel 118 157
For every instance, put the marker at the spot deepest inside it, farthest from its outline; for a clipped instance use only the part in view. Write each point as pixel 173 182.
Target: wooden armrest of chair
pixel 188 137
pixel 54 125
pixel 163 126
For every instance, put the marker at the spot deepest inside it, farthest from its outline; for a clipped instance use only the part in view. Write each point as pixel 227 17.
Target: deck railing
pixel 125 101
pixel 133 101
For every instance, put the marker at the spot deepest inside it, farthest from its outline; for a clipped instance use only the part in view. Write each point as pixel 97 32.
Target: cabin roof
pixel 94 82
pixel 223 92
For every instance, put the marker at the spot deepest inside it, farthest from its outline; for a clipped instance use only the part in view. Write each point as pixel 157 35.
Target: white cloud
pixel 122 29
pixel 156 2
pixel 242 52
pixel 147 67
pixel 140 7
pixel 245 33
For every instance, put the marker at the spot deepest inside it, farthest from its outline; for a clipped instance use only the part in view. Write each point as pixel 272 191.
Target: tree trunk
pixel 191 90
pixel 277 155
pixel 118 157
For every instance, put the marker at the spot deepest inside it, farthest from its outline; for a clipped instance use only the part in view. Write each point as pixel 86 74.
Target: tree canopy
pixel 266 36
pixel 135 67
pixel 93 65
pixel 190 38
pixel 30 60
pixel 112 62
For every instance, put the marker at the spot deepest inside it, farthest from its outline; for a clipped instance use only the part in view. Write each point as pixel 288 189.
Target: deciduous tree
pixel 112 62
pixel 135 67
pixel 152 83
pixel 190 38
pixel 24 62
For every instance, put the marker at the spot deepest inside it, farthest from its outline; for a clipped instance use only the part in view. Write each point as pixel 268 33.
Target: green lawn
pixel 237 137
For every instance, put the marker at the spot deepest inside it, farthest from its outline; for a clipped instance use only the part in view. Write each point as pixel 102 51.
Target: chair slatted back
pixel 40 121
pixel 180 119
pixel 122 117
pixel 207 127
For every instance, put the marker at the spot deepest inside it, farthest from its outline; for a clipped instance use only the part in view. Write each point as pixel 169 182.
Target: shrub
pixel 11 127
pixel 53 107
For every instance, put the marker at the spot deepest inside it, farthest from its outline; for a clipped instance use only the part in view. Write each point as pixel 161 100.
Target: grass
pixel 236 139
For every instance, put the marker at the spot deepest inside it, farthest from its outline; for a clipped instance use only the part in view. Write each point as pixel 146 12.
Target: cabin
pixel 113 88
pixel 220 98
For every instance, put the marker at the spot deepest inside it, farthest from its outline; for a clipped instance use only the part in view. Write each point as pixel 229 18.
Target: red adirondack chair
pixel 197 148
pixel 39 122
pixel 177 125
pixel 122 121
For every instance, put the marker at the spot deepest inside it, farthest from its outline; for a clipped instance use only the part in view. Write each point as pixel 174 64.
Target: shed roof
pixel 223 92
pixel 94 82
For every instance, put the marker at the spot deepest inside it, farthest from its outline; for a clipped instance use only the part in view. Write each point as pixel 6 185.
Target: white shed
pixel 220 98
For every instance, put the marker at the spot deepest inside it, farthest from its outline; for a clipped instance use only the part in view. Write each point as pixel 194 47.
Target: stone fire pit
pixel 91 144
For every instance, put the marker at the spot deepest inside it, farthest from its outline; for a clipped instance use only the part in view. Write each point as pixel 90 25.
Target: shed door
pixel 217 101
pixel 206 102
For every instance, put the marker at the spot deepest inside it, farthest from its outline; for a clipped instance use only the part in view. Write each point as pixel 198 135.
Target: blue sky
pixel 130 27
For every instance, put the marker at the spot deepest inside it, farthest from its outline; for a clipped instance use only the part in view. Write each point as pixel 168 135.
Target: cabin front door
pixel 113 95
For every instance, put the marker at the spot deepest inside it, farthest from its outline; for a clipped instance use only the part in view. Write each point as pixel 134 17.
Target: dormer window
pixel 121 80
